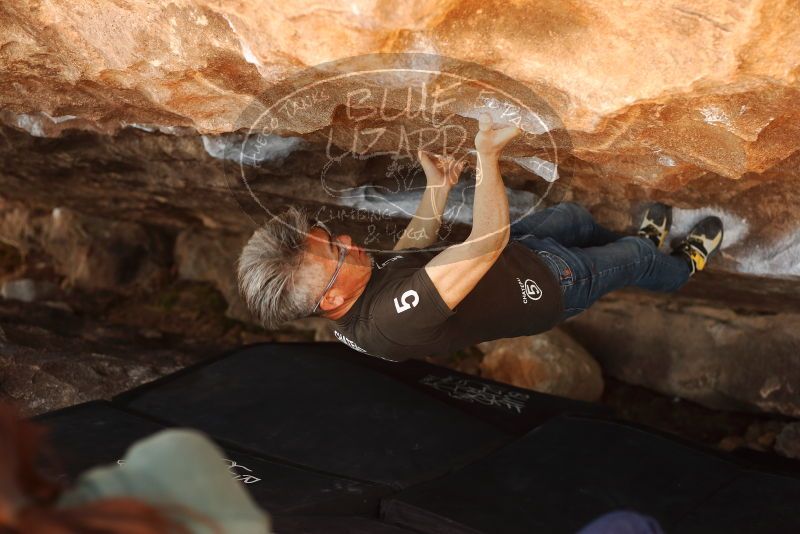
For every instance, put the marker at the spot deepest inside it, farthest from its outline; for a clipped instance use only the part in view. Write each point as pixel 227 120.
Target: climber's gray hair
pixel 276 284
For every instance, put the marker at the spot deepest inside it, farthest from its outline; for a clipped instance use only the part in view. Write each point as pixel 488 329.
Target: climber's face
pixel 345 267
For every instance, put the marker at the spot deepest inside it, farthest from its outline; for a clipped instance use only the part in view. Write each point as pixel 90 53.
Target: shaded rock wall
pixel 735 359
pixel 51 358
pixel 120 113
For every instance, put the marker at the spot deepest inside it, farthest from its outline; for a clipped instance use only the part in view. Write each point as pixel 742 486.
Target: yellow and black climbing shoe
pixel 656 222
pixel 701 243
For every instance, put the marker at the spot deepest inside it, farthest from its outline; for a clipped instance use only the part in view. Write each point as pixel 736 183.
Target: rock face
pixel 103 254
pixel 550 363
pixel 117 122
pixel 50 358
pixel 693 104
pixel 26 290
pixel 788 441
pixel 91 253
pixel 196 63
pixel 207 257
pixel 745 359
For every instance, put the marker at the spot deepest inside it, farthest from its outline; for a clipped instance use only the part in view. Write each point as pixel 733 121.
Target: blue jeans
pixel 590 261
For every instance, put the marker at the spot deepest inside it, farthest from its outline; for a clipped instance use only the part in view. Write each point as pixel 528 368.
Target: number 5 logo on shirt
pixel 404 305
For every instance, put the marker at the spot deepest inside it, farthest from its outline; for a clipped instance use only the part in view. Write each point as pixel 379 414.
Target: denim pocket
pixel 559 267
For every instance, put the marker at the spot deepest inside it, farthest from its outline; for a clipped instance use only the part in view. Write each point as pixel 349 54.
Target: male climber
pixel 503 281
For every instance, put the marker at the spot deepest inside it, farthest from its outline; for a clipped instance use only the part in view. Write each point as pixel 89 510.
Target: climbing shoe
pixel 701 243
pixel 656 223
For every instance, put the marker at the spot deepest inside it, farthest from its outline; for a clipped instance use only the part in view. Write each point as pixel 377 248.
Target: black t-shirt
pixel 401 315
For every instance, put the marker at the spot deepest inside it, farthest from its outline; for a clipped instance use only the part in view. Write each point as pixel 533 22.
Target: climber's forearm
pixel 424 226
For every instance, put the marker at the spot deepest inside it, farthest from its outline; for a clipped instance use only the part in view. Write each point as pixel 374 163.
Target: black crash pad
pixel 566 473
pixel 301 404
pixel 512 409
pixel 753 503
pixel 98 433
pixel 333 525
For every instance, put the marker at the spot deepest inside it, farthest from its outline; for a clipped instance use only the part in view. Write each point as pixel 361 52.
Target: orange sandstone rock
pixel 655 92
pixel 549 363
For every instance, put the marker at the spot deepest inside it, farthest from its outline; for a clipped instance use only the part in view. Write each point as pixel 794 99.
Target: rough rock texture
pixel 53 358
pixel 550 363
pixel 26 290
pixel 745 359
pixel 656 94
pixel 196 62
pixel 116 116
pixel 788 441
pixel 667 100
pixel 90 252
pixel 208 257
pixel 103 254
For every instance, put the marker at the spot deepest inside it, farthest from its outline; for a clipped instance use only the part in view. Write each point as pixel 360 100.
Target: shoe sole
pixel 664 228
pixel 710 247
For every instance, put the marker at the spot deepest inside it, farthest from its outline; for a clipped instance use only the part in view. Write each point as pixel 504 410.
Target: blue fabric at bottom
pixel 623 522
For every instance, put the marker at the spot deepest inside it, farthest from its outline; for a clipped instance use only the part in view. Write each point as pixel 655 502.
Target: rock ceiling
pixel 692 102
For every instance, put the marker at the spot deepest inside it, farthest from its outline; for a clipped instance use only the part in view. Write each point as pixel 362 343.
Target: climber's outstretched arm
pixel 458 269
pixel 442 174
